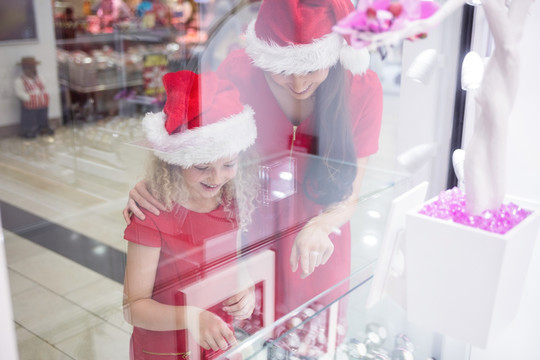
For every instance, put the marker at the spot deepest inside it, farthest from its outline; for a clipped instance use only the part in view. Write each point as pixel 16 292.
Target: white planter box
pixel 464 282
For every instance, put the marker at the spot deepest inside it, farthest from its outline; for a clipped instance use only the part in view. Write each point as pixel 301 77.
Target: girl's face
pixel 299 87
pixel 205 181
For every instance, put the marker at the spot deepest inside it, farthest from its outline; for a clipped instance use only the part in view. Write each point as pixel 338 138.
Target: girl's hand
pixel 241 305
pixel 209 330
pixel 312 247
pixel 139 196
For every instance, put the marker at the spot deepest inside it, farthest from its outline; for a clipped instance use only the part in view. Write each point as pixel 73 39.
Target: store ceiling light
pixel 285 175
pixel 374 214
pixel 472 71
pixel 370 240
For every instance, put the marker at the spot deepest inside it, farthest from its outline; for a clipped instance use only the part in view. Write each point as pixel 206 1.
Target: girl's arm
pixel 312 246
pixel 142 311
pixel 139 308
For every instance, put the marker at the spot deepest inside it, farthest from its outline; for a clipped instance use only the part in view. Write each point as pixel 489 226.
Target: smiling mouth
pixel 210 186
pixel 303 91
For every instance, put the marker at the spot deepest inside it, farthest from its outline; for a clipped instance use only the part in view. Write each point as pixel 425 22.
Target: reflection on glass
pixel 278 179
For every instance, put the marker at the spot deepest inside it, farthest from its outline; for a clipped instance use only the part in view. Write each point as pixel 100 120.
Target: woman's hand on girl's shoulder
pixel 139 196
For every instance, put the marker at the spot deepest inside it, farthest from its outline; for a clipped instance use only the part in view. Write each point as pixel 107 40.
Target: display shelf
pixel 102 87
pixel 97 68
pixel 156 36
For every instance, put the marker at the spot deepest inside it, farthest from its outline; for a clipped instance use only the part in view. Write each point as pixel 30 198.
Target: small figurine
pixel 31 91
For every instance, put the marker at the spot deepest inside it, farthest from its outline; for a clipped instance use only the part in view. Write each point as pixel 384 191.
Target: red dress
pixel 188 243
pixel 283 219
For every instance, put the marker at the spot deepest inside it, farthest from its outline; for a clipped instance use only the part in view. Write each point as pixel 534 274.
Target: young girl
pixel 196 175
pixel 313 94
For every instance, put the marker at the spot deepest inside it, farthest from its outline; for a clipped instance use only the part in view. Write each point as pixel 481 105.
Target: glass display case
pixel 77 183
pixel 338 323
pixel 109 74
pixel 335 323
pixel 381 332
pixel 119 71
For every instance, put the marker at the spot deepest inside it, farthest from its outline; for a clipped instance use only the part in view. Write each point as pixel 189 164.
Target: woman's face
pixel 205 181
pixel 299 87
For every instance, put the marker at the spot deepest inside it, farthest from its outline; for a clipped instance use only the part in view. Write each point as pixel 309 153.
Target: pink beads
pixel 450 205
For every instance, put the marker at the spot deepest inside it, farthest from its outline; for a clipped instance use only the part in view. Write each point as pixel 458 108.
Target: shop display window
pixel 317 151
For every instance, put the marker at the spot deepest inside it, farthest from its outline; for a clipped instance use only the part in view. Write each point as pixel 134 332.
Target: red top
pixel 273 127
pixel 274 137
pixel 188 243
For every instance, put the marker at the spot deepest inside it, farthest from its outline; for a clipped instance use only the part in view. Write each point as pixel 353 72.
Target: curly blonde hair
pixel 166 183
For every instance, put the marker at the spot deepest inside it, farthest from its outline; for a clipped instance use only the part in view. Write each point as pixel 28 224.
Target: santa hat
pixel 203 120
pixel 295 37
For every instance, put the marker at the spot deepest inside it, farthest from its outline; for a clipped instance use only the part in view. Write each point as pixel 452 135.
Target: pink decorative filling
pixel 450 205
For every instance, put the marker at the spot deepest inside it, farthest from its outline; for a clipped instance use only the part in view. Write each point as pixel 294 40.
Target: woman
pixel 312 94
pixel 206 196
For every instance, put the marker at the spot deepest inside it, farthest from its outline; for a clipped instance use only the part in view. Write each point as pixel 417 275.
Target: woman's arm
pixel 139 196
pixel 142 311
pixel 312 246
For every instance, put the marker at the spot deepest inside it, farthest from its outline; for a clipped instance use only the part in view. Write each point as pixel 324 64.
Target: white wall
pixel 44 50
pixel 426 109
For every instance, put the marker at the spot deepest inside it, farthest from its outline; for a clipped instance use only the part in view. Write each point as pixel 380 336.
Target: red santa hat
pixel 203 120
pixel 295 37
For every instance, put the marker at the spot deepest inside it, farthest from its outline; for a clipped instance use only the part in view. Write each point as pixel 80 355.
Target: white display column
pixel 8 350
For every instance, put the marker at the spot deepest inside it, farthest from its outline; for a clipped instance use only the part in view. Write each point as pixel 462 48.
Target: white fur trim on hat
pixel 293 59
pixel 204 144
pixel 322 53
